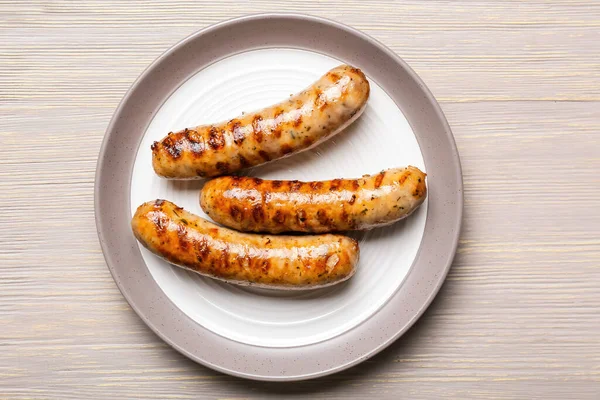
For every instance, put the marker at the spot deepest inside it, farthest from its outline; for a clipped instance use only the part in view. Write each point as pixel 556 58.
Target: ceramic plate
pixel 239 66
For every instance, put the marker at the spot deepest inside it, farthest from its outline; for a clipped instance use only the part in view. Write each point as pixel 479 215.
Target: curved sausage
pixel 257 205
pixel 289 262
pixel 296 124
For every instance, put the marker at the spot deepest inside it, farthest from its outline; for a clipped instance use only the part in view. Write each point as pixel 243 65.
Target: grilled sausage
pixel 297 124
pixel 257 205
pixel 288 262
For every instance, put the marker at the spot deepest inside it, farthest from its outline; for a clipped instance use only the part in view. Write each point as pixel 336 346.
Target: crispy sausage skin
pixel 285 262
pixel 296 124
pixel 257 205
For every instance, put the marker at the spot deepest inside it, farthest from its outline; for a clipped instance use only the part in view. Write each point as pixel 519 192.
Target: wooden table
pixel 519 316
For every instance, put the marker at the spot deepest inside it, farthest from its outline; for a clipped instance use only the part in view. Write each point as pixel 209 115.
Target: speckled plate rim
pixel 166 74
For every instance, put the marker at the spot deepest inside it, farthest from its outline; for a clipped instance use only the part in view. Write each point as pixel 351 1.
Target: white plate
pixel 250 81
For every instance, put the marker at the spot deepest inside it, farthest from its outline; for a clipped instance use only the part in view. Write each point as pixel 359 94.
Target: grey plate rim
pixel 144 98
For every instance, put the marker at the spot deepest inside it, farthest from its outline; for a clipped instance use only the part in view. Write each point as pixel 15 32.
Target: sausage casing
pixel 288 262
pixel 296 124
pixel 256 205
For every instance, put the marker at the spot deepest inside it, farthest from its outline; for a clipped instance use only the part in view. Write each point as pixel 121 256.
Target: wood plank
pixel 519 314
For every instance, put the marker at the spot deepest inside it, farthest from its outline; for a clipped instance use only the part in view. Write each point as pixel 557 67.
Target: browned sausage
pixel 257 205
pixel 296 124
pixel 288 262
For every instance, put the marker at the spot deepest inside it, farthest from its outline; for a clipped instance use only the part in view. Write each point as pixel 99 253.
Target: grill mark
pixel 237 132
pixel 195 145
pixel 301 217
pixel 234 181
pixel 172 147
pixel 333 76
pixel 277 115
pixel 235 213
pixel 257 129
pixel 355 184
pixel 202 249
pixel 345 217
pixel 404 177
pixel 318 94
pixel 295 186
pixel 276 184
pixel 335 184
pixel 379 179
pixel 286 149
pixel 257 181
pixel 316 185
pixel 264 155
pixel 307 141
pixel 258 213
pixel 266 265
pixel 160 222
pixel 279 217
pixel 243 161
pixel 322 217
pixel 352 200
pixel 182 236
pixel 298 121
pixel 174 151
pixel 351 222
pixel 216 139
pixel 224 260
pixel 222 167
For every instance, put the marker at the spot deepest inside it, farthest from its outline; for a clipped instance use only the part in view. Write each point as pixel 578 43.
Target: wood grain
pixel 519 316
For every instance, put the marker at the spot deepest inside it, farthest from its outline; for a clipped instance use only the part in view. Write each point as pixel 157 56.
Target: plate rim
pixel 102 217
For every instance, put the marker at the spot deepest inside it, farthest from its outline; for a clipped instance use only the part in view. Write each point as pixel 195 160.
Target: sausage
pixel 257 205
pixel 299 123
pixel 287 262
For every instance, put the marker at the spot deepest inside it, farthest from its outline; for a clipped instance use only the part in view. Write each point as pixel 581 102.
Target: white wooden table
pixel 519 316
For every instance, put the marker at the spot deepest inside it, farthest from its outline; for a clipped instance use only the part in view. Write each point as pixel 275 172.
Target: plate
pixel 239 66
